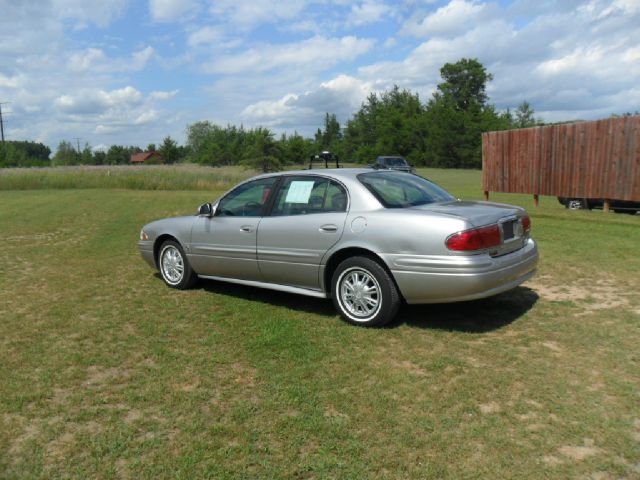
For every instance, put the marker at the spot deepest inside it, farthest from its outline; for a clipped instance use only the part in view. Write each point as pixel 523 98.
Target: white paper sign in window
pixel 299 192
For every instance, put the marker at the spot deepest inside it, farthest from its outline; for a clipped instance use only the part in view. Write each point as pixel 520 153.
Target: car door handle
pixel 246 228
pixel 329 228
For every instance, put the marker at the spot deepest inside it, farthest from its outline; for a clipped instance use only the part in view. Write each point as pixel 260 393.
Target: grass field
pixel 106 373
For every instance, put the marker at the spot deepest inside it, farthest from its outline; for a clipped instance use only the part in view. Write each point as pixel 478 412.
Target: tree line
pixel 444 131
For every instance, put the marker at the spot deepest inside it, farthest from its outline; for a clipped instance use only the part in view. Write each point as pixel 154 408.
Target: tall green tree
pixel 20 153
pixel 390 123
pixel 211 144
pixel 99 157
pixel 525 116
pixel 458 114
pixel 263 152
pixel 296 149
pixel 331 135
pixel 169 150
pixel 86 157
pixel 66 154
pixel 120 155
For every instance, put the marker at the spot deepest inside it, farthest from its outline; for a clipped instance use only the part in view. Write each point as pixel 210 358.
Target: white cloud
pixel 160 95
pixel 316 53
pixel 453 17
pixel 171 10
pixel 87 59
pixel 247 15
pixel 108 129
pixel 98 101
pixel 100 13
pixel 140 58
pixel 15 81
pixel 205 36
pixel 147 116
pixel 342 95
pixel 94 59
pixel 369 11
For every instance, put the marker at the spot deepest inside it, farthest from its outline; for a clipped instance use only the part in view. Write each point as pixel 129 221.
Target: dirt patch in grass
pixel 488 408
pixel 603 294
pixel 580 452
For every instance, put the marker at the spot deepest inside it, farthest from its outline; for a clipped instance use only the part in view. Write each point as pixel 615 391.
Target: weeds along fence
pixel 178 177
pixel 599 159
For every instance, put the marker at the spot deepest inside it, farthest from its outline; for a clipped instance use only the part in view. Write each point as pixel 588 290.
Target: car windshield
pixel 403 190
pixel 395 162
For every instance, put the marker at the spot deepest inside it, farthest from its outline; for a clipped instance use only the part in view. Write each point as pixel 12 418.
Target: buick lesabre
pixel 369 240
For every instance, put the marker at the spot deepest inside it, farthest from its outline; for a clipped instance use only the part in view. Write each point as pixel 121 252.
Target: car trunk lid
pixel 480 214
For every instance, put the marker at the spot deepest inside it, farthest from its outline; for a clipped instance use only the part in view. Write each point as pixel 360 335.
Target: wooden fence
pixel 599 159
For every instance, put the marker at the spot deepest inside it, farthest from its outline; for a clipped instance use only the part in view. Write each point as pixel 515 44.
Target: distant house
pixel 146 157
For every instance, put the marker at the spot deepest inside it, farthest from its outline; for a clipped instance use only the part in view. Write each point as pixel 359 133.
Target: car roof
pixel 347 174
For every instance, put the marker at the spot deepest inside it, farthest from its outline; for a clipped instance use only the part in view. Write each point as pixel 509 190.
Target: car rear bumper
pixel 442 279
pixel 146 250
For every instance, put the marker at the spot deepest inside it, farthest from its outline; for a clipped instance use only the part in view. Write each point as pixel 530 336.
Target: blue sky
pixel 132 72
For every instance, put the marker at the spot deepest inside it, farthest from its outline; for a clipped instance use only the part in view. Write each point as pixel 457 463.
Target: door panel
pixel 307 220
pixel 225 247
pixel 290 248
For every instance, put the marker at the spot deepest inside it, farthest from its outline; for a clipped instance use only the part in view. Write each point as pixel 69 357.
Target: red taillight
pixel 475 239
pixel 526 223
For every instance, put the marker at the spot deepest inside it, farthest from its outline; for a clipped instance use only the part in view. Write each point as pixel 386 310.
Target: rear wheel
pixel 364 293
pixel 174 266
pixel 577 204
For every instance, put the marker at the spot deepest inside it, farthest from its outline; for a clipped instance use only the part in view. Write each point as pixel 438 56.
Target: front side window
pixel 247 200
pixel 403 190
pixel 302 195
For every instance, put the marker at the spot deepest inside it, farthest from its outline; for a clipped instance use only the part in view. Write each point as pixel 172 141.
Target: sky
pixel 131 72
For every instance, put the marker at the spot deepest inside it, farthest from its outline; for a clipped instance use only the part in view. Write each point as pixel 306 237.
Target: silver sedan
pixel 368 239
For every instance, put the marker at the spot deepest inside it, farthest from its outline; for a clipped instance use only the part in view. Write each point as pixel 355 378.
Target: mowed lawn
pixel 107 373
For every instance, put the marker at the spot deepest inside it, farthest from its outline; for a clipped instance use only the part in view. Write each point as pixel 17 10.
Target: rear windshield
pixel 403 190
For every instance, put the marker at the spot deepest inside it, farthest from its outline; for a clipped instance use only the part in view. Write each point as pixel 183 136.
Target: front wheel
pixel 174 266
pixel 364 293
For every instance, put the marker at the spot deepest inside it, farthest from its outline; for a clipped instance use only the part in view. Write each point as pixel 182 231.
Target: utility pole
pixel 2 121
pixel 77 139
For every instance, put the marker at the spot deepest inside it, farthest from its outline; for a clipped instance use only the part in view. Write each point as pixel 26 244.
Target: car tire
pixel 364 293
pixel 174 266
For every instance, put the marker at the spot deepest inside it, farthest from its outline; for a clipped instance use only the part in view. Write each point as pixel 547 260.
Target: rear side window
pixel 403 190
pixel 307 195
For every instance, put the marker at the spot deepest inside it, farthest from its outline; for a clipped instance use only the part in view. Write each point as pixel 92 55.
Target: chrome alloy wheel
pixel 171 264
pixel 575 204
pixel 359 294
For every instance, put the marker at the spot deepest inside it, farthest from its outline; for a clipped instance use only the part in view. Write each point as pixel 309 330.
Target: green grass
pixel 106 373
pixel 147 177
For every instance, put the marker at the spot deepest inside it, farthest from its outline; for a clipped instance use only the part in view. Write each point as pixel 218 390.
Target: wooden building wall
pixel 599 159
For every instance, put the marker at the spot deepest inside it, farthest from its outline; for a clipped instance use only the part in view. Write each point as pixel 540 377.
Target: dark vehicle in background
pixel 392 163
pixel 618 206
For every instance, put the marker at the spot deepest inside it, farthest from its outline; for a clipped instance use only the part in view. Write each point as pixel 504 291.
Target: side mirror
pixel 206 210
